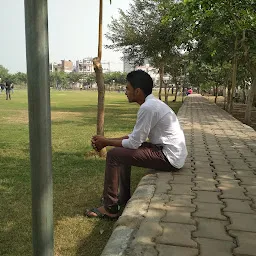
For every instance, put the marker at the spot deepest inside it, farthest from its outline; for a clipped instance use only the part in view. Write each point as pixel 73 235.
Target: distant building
pixel 65 66
pixel 85 66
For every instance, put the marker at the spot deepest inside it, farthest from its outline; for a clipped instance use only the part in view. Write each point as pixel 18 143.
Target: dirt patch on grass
pixel 21 116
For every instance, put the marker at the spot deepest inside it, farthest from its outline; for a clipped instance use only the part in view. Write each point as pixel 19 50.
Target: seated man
pixel 165 151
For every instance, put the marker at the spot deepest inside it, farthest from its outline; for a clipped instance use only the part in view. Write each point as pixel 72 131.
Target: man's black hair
pixel 141 79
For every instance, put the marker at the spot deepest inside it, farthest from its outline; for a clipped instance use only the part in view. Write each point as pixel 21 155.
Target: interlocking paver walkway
pixel 207 208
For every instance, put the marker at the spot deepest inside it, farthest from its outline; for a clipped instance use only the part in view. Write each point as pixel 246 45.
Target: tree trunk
pixel 216 94
pixel 228 96
pixel 249 105
pixel 244 94
pixel 100 82
pixel 225 97
pixel 101 100
pixel 234 73
pixel 176 91
pixel 165 93
pixel 100 30
pixel 172 89
pixel 161 75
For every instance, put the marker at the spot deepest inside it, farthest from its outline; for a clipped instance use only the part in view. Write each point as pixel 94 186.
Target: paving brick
pixel 248 180
pixel 252 164
pixel 201 159
pixel 210 247
pixel 242 221
pixel 233 156
pixel 181 200
pixel 214 147
pixel 162 187
pixel 207 197
pixel 213 229
pixel 226 175
pixel 205 186
pixel 246 243
pixel 188 165
pixel 218 158
pixel 229 182
pixel 242 206
pixel 232 192
pixel 242 173
pixel 210 211
pixel 205 177
pixel 177 234
pixel 181 189
pixel 148 230
pixel 248 155
pixel 237 162
pixel 219 162
pixel 166 250
pixel 242 167
pixel 220 168
pixel 251 189
pixel 253 202
pixel 185 171
pixel 208 170
pixel 159 201
pixel 216 154
pixel 181 179
pixel 199 164
pixel 178 215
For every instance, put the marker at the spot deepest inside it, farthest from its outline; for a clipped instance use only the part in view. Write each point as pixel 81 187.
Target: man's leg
pixel 147 157
pixel 124 185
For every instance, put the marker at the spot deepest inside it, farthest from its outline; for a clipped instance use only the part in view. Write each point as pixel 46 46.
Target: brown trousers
pixel 118 170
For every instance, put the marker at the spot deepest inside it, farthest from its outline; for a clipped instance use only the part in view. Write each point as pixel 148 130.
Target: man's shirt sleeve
pixel 141 129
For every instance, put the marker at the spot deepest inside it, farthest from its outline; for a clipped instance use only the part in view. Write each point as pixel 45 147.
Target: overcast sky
pixel 73 31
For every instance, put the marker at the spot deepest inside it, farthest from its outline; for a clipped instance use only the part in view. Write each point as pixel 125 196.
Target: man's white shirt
pixel 157 122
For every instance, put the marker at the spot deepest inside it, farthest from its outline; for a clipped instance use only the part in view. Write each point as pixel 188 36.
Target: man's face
pixel 130 93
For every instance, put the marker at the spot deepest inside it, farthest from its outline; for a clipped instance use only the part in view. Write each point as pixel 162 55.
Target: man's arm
pixel 100 142
pixel 121 138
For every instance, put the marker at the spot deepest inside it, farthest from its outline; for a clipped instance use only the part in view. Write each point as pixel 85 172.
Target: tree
pixel 74 77
pixel 20 78
pixel 151 29
pixel 219 23
pixel 59 79
pixel 100 80
pixel 3 73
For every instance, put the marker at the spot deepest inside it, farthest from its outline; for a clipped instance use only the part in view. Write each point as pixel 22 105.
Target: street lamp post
pixel 37 51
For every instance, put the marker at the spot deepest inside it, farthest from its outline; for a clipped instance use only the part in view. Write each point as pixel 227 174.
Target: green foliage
pixel 74 77
pixel 3 73
pixel 149 30
pixel 115 77
pixel 19 78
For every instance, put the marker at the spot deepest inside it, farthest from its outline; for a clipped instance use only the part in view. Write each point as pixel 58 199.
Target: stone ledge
pixel 128 224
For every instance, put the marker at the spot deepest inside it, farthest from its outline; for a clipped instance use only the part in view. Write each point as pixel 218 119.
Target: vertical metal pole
pixel 36 20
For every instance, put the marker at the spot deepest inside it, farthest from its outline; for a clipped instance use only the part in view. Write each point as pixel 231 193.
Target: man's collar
pixel 150 96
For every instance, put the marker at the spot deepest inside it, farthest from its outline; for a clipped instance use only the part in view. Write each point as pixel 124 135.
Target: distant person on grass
pixel 8 85
pixel 165 150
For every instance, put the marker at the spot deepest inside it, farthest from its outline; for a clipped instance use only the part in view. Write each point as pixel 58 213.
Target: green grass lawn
pixel 77 172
